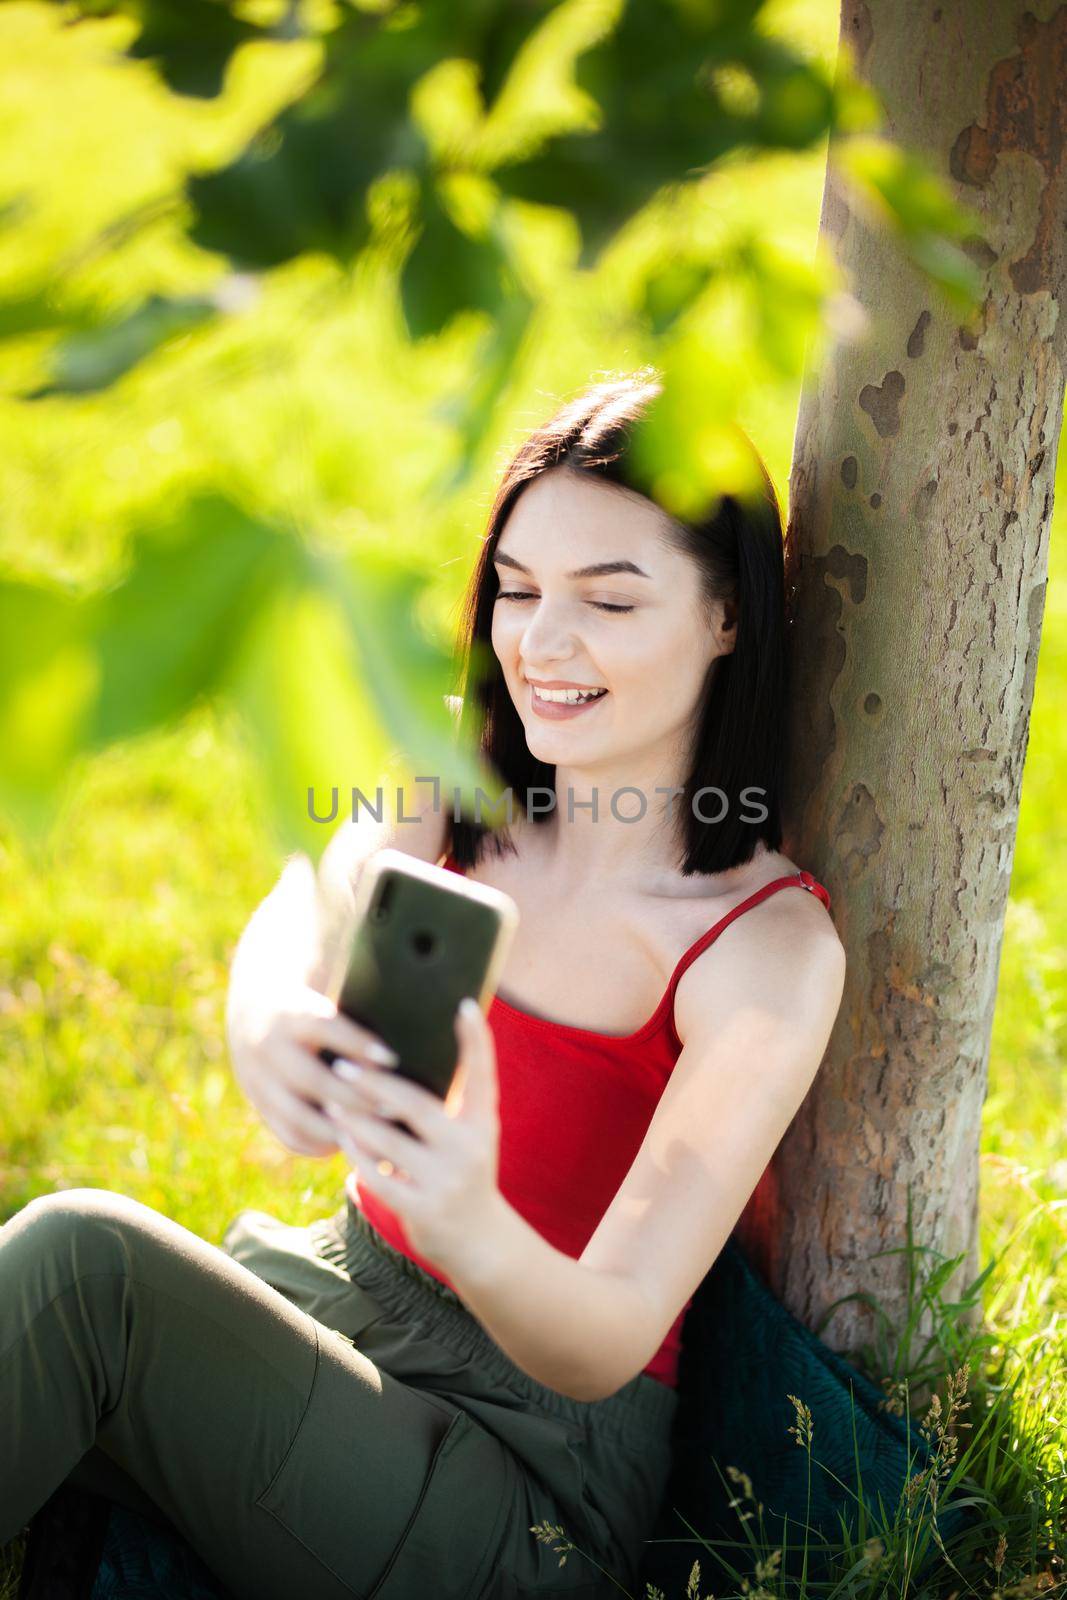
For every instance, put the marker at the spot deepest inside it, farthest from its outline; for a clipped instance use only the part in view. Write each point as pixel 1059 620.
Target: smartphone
pixel 423 938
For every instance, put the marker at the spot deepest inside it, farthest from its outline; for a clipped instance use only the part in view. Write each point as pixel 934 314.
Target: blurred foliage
pixel 398 221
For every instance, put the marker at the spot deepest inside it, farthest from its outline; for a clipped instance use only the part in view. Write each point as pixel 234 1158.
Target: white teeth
pixel 570 697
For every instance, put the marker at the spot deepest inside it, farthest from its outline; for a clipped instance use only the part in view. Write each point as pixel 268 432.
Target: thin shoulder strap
pixel 798 880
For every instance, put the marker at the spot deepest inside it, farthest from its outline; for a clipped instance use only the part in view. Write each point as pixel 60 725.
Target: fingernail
pixel 469 1009
pixel 382 1055
pixel 351 1071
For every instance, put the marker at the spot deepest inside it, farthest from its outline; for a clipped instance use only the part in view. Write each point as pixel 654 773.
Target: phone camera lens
pixel 425 944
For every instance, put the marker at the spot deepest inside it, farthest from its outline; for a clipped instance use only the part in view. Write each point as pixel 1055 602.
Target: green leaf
pixel 473 410
pixel 301 183
pixel 664 81
pixel 671 287
pixel 900 187
pixel 797 102
pixel 309 723
pixel 166 632
pixel 406 674
pixel 48 678
pixel 190 41
pixel 36 311
pixel 787 296
pixel 687 450
pixel 450 270
pixel 91 360
pixel 340 688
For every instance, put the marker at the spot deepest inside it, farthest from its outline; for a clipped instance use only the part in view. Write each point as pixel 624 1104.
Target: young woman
pixel 485 1336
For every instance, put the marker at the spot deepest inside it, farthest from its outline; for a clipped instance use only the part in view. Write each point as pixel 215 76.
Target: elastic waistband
pixel 348 1238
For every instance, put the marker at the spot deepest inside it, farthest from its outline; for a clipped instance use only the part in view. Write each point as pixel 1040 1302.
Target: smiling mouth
pixel 581 699
pixel 565 698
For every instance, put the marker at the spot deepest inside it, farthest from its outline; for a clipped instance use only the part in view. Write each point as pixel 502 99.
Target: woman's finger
pixel 301 1072
pixel 382 1141
pixel 477 1054
pixel 389 1095
pixel 299 1126
pixel 344 1037
pixel 295 1140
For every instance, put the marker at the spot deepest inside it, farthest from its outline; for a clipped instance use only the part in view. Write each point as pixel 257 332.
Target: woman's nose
pixel 547 635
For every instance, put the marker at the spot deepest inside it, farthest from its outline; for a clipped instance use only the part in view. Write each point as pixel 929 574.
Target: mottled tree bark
pixel 921 495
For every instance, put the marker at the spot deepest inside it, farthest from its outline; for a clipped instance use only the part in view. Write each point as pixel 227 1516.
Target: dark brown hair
pixel 740 721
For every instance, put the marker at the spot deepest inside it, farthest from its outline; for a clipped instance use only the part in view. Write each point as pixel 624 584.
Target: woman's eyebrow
pixel 598 569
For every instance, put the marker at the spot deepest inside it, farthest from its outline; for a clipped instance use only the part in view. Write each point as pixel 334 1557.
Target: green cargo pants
pixel 316 1415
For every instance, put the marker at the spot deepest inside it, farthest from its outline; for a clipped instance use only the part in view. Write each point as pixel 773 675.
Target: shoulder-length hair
pixel 738 749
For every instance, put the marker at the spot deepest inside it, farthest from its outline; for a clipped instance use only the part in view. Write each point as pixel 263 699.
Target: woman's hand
pixel 275 1048
pixel 442 1184
pixel 278 1018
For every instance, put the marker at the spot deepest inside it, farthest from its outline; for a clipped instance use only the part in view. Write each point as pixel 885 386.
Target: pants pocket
pixel 364 1485
pixel 460 1522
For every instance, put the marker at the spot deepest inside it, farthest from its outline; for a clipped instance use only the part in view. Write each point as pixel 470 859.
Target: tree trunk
pixel 921 495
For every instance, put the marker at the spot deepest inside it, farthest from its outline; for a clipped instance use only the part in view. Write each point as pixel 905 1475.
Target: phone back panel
pixel 409 968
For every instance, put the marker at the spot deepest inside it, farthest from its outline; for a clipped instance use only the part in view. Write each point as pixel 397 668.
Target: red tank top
pixel 561 1172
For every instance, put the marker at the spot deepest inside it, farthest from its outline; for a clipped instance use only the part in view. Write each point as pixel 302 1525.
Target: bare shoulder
pixel 785 950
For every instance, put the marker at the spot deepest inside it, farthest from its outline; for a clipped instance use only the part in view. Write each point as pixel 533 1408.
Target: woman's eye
pixel 520 594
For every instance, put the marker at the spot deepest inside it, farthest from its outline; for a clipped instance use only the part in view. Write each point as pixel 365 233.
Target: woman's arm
pixel 281 940
pixel 756 1019
pixel 274 1004
pixel 579 1330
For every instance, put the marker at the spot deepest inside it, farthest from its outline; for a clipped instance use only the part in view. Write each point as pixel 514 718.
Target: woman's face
pixel 559 627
